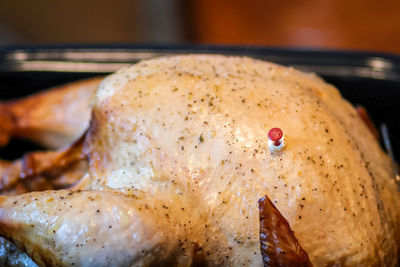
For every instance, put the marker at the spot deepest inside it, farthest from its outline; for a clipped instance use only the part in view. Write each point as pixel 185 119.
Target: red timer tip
pixel 275 134
pixel 276 141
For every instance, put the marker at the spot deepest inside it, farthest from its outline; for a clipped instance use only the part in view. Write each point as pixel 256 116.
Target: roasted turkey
pixel 178 165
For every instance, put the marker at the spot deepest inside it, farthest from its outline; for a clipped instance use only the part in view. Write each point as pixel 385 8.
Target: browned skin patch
pixel 362 112
pixel 36 169
pixel 99 158
pixel 279 246
pixel 38 162
pixel 6 125
pixel 52 118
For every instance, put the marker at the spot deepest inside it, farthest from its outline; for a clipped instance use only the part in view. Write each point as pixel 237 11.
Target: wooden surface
pixel 340 24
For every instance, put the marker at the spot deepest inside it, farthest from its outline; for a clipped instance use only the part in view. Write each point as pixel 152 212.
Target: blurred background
pixel 367 25
pixel 337 24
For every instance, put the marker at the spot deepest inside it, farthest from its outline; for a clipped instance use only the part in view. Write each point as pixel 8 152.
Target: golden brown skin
pixel 53 118
pixel 38 171
pixel 279 246
pixel 363 113
pixel 178 159
pixel 92 228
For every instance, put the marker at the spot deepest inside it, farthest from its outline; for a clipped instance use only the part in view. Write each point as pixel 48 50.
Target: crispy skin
pixel 52 118
pixel 363 113
pixel 9 176
pixel 56 179
pixel 40 170
pixel 279 246
pixel 39 162
pixel 6 125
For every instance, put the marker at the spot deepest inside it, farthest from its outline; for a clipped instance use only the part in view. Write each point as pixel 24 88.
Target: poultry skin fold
pixel 178 159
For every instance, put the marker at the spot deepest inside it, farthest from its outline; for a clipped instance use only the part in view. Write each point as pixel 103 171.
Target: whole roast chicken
pixel 178 171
